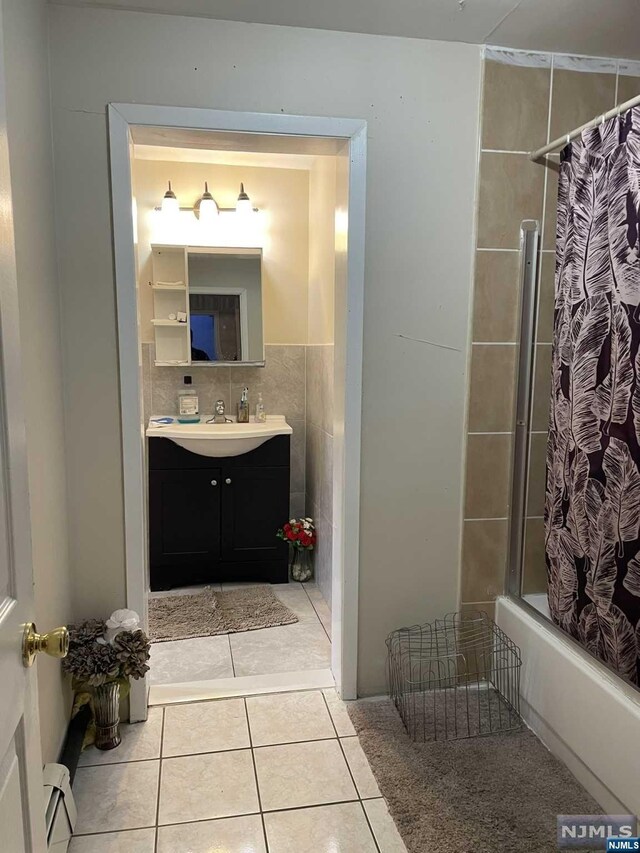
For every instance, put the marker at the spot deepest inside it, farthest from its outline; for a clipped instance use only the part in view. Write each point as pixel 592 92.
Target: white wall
pixel 420 99
pixel 30 155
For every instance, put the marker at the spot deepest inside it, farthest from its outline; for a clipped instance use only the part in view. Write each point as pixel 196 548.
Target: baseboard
pixel 72 747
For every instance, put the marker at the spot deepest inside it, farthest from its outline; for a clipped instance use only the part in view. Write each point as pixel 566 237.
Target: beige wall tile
pixel 495 301
pixel 551 202
pixel 577 97
pixel 547 297
pixel 534 573
pixel 319 372
pixel 628 87
pixel 297 505
pixel 515 108
pixel 541 388
pixel 210 383
pixel 493 378
pixel 511 189
pixel 484 557
pixel 537 474
pixel 281 382
pixel 488 468
pixel 298 452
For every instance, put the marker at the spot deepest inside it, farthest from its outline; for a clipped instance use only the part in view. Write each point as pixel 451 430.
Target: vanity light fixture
pixel 243 205
pixel 206 208
pixel 170 204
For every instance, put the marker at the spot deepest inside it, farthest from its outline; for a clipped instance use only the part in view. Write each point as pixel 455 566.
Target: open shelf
pixel 185 272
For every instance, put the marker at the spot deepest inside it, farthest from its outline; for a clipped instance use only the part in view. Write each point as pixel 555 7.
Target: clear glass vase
pixel 106 709
pixel 302 565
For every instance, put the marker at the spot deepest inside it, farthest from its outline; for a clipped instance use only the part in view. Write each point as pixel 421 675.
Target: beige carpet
pixel 203 614
pixel 496 794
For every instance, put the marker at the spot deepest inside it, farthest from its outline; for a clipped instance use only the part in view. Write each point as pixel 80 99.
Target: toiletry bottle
pixel 261 415
pixel 243 407
pixel 188 399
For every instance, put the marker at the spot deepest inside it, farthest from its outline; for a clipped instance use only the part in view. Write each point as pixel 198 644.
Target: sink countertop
pixel 274 425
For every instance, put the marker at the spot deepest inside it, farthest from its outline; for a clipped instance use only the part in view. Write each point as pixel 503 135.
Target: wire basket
pixel 457 677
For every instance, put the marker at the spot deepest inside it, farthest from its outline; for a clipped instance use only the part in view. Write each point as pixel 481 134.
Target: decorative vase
pixel 106 709
pixel 302 565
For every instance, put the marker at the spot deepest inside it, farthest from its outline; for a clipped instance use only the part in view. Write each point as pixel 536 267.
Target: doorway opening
pixel 263 293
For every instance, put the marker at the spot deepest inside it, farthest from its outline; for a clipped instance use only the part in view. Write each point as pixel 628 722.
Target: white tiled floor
pixel 268 774
pixel 305 645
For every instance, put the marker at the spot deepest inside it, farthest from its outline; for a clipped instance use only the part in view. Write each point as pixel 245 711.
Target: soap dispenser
pixel 243 407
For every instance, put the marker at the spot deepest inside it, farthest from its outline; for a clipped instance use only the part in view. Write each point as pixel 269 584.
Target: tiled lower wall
pixel 281 381
pixel 528 99
pixel 319 468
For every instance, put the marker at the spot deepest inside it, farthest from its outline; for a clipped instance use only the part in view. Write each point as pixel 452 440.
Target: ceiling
pixel 591 27
pixel 230 148
pixel 232 141
pixel 301 162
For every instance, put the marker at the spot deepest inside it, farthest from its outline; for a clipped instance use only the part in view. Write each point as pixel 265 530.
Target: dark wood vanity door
pixel 255 503
pixel 184 516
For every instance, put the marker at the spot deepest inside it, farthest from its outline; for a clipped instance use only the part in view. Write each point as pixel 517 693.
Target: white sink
pixel 218 440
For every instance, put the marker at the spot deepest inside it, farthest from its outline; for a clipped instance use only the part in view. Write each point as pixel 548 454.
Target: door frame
pixel 348 351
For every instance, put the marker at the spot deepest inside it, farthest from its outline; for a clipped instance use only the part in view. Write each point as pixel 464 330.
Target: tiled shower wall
pixel 319 467
pixel 528 100
pixel 281 381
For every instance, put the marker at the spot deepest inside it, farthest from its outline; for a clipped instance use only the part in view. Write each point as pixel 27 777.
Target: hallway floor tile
pixel 282 773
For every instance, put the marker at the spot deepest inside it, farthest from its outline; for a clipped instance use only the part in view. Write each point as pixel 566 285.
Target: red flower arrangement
pixel 300 533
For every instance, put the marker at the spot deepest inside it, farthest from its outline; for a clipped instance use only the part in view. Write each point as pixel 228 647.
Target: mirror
pixel 225 306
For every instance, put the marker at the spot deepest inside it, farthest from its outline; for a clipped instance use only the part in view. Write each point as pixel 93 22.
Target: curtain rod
pixel 561 141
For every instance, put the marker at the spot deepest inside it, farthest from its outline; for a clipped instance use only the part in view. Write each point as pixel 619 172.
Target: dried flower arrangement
pixel 97 654
pixel 102 657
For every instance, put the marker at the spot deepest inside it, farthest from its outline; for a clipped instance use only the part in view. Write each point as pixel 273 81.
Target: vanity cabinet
pixel 214 520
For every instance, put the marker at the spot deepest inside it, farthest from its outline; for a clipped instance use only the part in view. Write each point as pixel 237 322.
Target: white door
pixel 22 826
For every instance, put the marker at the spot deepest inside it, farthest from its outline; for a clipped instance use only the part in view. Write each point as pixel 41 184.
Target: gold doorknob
pixel 55 643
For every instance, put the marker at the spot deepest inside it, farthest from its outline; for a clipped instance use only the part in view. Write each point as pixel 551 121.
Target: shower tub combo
pixel 585 712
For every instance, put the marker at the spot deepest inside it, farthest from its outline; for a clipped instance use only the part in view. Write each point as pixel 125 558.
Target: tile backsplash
pixel 282 382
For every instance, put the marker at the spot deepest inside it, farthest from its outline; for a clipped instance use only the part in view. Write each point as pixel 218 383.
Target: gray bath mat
pixel 481 795
pixel 203 614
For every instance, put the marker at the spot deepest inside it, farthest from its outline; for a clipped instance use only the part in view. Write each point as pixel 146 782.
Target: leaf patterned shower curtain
pixel 592 502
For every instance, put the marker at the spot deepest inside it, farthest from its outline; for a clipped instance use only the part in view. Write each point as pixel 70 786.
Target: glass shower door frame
pixel 528 288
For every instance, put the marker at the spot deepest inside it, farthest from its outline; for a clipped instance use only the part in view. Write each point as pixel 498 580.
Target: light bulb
pixel 170 206
pixel 207 207
pixel 243 205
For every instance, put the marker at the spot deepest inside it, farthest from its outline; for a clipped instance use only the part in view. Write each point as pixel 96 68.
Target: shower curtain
pixel 592 501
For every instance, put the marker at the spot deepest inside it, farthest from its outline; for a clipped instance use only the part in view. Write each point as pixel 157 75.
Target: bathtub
pixel 585 714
